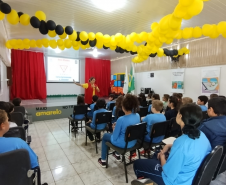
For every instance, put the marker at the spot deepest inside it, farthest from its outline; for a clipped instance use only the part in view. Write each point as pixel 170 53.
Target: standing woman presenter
pixel 91 89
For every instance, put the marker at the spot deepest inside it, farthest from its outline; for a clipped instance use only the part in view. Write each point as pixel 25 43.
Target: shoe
pixel 142 182
pixel 103 164
pixel 133 156
pixel 117 157
pixel 45 183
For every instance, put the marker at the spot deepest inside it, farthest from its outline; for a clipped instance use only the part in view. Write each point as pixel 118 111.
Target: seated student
pixel 117 138
pixel 143 101
pixel 186 155
pixel 100 104
pixel 222 97
pixel 215 127
pixel 149 97
pixel 92 106
pixel 117 108
pixel 186 100
pixel 10 144
pixel 80 102
pixel 172 104
pixel 202 100
pixel 140 102
pixel 5 106
pixel 213 96
pixel 111 100
pixel 16 102
pixel 165 99
pixel 179 98
pixel 154 97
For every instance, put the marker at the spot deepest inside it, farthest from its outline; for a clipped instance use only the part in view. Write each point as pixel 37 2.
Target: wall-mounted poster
pixel 210 81
pixel 177 81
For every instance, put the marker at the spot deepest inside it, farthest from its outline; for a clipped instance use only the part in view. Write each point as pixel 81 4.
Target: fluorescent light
pixel 57 50
pixel 95 53
pixel 109 5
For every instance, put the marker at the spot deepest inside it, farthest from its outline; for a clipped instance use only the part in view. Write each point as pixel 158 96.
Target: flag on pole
pixel 125 88
pixel 131 80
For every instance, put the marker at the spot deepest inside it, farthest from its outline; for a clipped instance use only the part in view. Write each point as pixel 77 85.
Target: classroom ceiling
pixel 84 15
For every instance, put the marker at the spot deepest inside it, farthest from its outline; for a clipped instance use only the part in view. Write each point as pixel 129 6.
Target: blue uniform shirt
pixel 149 108
pixel 150 120
pixel 114 114
pixel 118 136
pixel 90 113
pixel 203 107
pixel 108 104
pixel 10 144
pixel 100 126
pixel 185 157
pixel 215 130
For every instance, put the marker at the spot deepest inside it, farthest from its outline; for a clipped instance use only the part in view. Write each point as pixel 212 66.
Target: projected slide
pixel 62 69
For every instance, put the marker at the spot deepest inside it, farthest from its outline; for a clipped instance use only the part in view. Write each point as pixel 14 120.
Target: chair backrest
pixel 19 109
pixel 207 168
pixel 16 132
pixel 144 104
pixel 222 164
pixel 80 109
pixel 143 111
pixel 111 107
pixel 14 167
pixel 103 117
pixel 136 132
pixel 17 117
pixel 174 129
pixel 205 115
pixel 120 113
pixel 158 129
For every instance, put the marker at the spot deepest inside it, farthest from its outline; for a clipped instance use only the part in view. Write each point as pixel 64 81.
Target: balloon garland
pixel 165 31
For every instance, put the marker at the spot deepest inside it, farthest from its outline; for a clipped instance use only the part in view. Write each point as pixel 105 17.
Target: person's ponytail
pixel 192 132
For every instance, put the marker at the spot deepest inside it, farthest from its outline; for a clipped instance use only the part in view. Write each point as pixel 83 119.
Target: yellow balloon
pixel 76 47
pixel 26 47
pixel 107 44
pixel 154 25
pixel 60 42
pixel 52 33
pixel 221 27
pixel 21 47
pixel 197 32
pixel 13 42
pixel 62 47
pixel 112 47
pixel 8 45
pixel 134 49
pixel 187 33
pixel 83 46
pixel 169 41
pixel 67 43
pixel 26 41
pixel 75 43
pixel 53 44
pixel 118 37
pixel 180 52
pixel 99 36
pixel 39 43
pixel 83 36
pixel 144 36
pixel 174 22
pixel 106 38
pixel 186 2
pixel 214 33
pixel 224 34
pixel 91 36
pixel 45 42
pixel 113 41
pixel 207 29
pixel 195 8
pixel 160 52
pixel 73 36
pixel 25 19
pixel 156 32
pixel 63 36
pixel 13 17
pixel 19 42
pixel 2 16
pixel 40 15
pixel 128 41
pixel 180 11
pixel 187 17
pixel 164 22
pixel 138 39
pixel 33 43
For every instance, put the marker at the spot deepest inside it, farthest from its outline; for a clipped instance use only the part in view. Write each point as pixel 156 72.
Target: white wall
pixel 4 93
pixel 161 83
pixel 68 88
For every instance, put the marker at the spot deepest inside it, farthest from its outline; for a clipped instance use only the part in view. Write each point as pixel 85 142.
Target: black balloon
pixel 105 47
pixel 171 53
pixel 78 36
pixel 43 28
pixel 51 25
pixel 166 52
pixel 59 30
pixel 68 30
pixel 20 13
pixel 35 22
pixel 133 53
pixel 117 50
pixel 175 52
pixel 152 54
pixel 85 42
pixel 126 51
pixel 93 43
pixel 145 44
pixel 121 50
pixel 5 8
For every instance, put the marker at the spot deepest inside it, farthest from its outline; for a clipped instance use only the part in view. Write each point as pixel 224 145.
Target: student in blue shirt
pixel 100 104
pixel 202 100
pixel 111 100
pixel 117 108
pixel 90 113
pixel 186 154
pixel 10 144
pixel 215 127
pixel 154 97
pixel 117 138
pixel 172 104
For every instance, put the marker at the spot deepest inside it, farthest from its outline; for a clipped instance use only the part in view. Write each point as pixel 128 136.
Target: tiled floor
pixel 66 160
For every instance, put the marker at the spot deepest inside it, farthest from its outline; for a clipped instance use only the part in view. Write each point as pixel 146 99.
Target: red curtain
pixel 28 75
pixel 101 70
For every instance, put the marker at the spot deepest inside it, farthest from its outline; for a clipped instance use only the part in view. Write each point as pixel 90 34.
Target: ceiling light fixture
pixel 109 5
pixel 95 53
pixel 57 50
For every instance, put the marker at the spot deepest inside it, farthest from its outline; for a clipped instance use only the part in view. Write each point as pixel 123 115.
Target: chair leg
pixel 74 130
pixel 69 127
pixel 81 125
pixel 130 156
pixel 124 160
pixel 86 137
pixel 107 157
pixel 96 144
pixel 138 153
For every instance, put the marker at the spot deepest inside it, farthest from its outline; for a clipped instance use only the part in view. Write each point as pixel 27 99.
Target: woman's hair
pixel 118 105
pixel 174 101
pixel 16 101
pixel 5 106
pixel 149 95
pixel 91 78
pixel 142 96
pixel 213 96
pixel 112 96
pixel 130 103
pixel 3 116
pixel 186 100
pixel 101 103
pixel 166 96
pixel 157 104
pixel 11 107
pixel 191 116
pixel 80 100
pixel 156 96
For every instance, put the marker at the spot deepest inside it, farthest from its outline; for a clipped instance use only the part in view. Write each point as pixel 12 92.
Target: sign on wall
pixel 210 82
pixel 177 80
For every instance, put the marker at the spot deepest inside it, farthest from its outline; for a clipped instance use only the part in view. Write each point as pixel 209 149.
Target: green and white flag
pixel 131 81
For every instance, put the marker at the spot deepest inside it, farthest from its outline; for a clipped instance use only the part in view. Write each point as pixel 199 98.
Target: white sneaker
pixel 142 182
